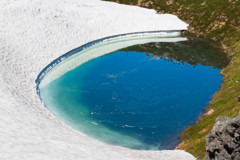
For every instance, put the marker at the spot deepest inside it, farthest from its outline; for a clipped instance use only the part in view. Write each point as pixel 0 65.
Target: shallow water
pixel 140 97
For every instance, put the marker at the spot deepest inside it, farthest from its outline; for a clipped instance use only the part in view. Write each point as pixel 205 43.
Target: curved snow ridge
pixel 32 34
pixel 107 45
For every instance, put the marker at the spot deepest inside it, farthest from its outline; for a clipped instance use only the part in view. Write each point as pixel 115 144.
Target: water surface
pixel 140 97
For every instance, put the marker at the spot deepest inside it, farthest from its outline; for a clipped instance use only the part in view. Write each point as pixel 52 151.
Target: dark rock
pixel 223 141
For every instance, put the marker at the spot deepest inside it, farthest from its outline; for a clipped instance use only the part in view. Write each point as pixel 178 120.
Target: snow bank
pixel 32 34
pixel 95 49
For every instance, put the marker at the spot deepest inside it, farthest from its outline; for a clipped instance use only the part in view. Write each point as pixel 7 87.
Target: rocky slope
pixel 223 141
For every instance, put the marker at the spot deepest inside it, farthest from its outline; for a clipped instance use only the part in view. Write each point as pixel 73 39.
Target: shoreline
pixel 93 50
pixel 207 111
pixel 164 35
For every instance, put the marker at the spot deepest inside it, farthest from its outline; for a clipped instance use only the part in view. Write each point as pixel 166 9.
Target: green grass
pixel 218 20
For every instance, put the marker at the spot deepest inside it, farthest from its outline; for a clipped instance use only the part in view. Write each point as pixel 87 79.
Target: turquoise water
pixel 136 97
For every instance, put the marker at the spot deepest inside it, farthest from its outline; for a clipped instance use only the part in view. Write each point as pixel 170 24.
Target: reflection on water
pixel 194 51
pixel 141 97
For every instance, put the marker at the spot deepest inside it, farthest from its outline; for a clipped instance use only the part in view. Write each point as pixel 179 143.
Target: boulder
pixel 223 141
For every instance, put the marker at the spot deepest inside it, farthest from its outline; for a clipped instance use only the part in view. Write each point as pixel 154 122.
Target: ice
pixel 95 49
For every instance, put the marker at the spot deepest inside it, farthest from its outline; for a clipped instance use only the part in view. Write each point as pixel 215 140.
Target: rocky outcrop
pixel 223 142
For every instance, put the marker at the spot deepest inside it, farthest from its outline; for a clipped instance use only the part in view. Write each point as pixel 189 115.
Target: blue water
pixel 132 99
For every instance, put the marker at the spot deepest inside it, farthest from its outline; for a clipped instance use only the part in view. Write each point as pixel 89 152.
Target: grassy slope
pixel 220 21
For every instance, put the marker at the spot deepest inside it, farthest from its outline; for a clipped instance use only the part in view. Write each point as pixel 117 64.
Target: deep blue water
pixel 133 99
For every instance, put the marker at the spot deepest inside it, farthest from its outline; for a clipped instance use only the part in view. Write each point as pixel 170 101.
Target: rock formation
pixel 223 141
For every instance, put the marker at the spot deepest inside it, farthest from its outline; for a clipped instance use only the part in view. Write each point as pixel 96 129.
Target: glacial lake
pixel 139 97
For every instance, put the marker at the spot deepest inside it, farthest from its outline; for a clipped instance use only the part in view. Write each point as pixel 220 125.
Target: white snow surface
pixel 32 34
